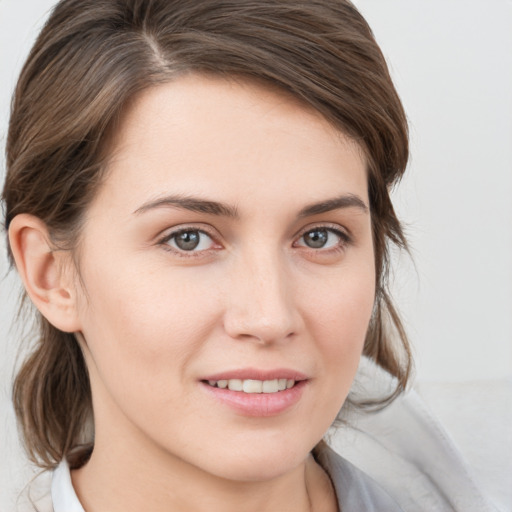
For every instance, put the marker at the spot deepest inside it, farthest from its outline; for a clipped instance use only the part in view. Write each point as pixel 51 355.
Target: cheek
pixel 143 323
pixel 142 332
pixel 339 315
pixel 129 302
pixel 344 306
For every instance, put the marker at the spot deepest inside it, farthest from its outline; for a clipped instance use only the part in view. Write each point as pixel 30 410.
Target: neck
pixel 129 482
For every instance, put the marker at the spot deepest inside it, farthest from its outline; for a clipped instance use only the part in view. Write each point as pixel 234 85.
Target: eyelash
pixel 344 241
pixel 164 242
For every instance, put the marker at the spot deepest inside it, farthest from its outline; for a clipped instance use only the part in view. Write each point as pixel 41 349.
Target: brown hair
pixel 93 56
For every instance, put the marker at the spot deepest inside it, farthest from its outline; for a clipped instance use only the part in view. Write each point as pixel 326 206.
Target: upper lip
pixel 257 374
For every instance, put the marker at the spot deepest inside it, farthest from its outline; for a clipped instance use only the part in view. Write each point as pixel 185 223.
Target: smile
pixel 256 398
pixel 253 386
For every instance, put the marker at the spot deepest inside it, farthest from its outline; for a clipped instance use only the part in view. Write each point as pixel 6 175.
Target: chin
pixel 258 462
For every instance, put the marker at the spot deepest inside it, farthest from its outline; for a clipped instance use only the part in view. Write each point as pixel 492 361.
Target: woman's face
pixel 230 245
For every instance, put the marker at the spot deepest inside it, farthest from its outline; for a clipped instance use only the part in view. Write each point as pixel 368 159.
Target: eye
pixel 189 240
pixel 322 238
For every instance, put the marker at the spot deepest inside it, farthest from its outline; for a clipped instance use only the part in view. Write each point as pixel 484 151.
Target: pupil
pixel 316 239
pixel 188 240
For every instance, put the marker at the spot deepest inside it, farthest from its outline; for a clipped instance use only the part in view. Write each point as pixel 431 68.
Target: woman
pixel 197 204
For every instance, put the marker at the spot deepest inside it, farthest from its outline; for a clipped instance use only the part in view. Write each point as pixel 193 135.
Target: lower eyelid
pixel 345 239
pixel 165 241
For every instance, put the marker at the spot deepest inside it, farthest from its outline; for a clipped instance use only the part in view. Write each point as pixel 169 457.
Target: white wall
pixel 452 63
pixel 19 20
pixel 451 60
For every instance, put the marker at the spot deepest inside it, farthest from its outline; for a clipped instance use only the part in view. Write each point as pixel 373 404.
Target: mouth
pixel 257 393
pixel 252 385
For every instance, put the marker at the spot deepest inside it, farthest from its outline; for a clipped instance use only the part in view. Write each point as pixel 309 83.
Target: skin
pixel 154 320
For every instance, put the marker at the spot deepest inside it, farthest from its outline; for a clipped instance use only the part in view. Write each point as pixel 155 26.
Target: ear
pixel 47 273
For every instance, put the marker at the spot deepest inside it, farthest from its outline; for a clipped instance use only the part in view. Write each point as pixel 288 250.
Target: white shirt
pixel 64 497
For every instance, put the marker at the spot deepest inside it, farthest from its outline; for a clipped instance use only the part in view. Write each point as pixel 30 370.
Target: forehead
pixel 201 133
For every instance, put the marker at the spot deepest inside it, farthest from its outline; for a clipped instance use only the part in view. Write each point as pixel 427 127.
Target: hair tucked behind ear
pixel 94 56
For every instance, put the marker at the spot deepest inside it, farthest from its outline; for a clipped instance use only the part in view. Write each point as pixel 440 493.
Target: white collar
pixel 63 495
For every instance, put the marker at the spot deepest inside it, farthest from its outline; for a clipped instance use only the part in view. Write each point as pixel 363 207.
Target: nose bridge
pixel 261 305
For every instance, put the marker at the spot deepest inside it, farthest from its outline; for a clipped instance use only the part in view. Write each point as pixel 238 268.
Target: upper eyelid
pixel 164 242
pixel 168 233
pixel 213 233
pixel 337 228
pixel 340 234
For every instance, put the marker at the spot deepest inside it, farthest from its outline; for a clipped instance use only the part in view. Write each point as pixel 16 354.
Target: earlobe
pixel 44 271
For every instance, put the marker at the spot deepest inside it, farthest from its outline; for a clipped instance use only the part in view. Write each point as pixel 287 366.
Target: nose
pixel 261 304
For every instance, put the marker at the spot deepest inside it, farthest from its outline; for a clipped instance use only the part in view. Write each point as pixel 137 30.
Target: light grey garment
pixel 355 491
pixel 407 451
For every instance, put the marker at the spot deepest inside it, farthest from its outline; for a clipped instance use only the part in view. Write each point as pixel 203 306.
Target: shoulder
pixel 408 452
pixel 354 489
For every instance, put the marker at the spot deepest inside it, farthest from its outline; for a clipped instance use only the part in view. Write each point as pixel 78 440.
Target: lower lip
pixel 258 404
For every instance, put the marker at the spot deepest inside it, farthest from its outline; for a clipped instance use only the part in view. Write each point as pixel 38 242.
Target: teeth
pixel 235 385
pixel 270 386
pixel 254 386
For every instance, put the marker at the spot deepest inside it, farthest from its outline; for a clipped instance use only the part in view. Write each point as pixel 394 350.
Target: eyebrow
pixel 196 204
pixel 336 203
